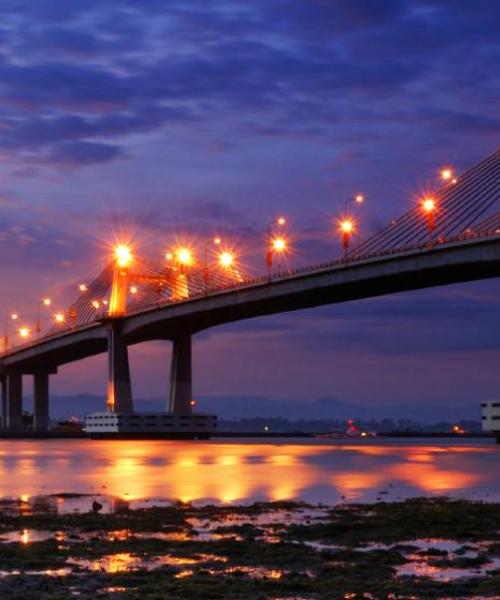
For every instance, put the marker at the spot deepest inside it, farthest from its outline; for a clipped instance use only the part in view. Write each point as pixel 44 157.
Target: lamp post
pixel 123 258
pixel 182 256
pixel 347 224
pixel 429 210
pixel 276 244
pixel 206 271
pixel 12 317
pixel 447 175
pixel 346 229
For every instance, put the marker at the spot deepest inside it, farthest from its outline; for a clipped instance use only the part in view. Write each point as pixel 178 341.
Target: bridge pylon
pixel 180 395
pixel 40 401
pixel 12 401
pixel 119 398
pixel 4 401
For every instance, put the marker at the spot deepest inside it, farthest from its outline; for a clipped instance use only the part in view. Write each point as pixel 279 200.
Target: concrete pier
pixel 14 404
pixel 119 385
pixel 3 383
pixel 181 377
pixel 40 401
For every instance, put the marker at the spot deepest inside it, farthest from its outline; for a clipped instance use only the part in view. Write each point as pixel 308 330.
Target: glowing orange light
pixel 359 198
pixel 82 287
pixel 184 256
pixel 346 226
pixel 59 318
pixel 95 304
pixel 279 244
pixel 281 221
pixel 192 402
pixel 24 332
pixel 446 174
pixel 169 256
pixel 226 259
pixel 14 316
pixel 123 255
pixel 133 289
pixel 217 240
pixel 47 301
pixel 429 205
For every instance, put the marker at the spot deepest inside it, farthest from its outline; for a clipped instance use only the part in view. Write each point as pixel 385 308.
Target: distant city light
pixel 217 240
pixel 47 301
pixel 133 289
pixel 446 174
pixel 82 287
pixel 14 316
pixel 95 304
pixel 281 221
pixel 59 318
pixel 359 198
pixel 24 332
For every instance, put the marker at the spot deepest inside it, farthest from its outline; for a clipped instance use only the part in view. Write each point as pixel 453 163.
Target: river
pixel 244 471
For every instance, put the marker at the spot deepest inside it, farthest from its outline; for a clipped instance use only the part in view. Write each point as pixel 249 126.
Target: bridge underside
pixel 371 278
pixel 177 322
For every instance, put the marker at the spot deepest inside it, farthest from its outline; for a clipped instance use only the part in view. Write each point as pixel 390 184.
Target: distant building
pixel 491 418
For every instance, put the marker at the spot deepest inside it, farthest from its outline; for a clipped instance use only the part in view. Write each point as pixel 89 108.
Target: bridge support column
pixel 119 385
pixel 14 404
pixel 40 401
pixel 4 402
pixel 181 376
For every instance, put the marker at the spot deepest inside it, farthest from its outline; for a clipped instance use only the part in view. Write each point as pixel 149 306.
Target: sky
pixel 185 118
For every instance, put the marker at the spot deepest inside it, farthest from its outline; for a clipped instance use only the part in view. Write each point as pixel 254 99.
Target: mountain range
pixel 239 407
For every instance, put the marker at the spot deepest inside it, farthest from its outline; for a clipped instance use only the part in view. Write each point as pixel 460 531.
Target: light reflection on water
pixel 244 471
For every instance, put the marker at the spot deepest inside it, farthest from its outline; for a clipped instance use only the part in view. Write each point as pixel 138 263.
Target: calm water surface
pixel 242 471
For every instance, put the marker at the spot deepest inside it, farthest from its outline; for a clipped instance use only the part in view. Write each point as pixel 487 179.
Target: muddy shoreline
pixel 419 548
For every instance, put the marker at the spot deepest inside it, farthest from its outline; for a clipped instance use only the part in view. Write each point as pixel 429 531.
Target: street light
pixel 356 199
pixel 24 332
pixel 276 243
pixel 216 241
pixel 226 259
pixel 12 317
pixel 429 208
pixel 123 255
pixel 184 256
pixel 346 229
pixel 59 318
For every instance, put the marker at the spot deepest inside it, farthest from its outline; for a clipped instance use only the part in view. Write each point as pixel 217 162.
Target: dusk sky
pixel 165 118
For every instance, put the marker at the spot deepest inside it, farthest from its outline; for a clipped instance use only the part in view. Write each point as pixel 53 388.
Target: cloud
pixel 78 154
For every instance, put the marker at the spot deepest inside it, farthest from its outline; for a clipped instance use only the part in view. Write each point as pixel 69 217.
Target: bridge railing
pixel 339 263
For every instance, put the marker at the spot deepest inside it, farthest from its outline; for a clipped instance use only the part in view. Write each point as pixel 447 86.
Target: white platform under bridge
pixel 490 418
pixel 109 425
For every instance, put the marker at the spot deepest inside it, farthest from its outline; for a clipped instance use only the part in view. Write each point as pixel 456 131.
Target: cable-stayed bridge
pixel 452 236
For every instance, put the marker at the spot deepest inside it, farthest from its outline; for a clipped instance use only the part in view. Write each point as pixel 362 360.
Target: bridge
pixel 449 236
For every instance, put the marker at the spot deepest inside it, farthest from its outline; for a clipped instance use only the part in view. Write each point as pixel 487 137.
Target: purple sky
pixel 200 117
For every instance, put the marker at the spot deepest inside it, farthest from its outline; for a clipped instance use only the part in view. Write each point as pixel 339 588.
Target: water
pixel 243 471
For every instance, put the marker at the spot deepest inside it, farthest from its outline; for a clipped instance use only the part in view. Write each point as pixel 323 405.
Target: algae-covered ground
pixel 420 548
